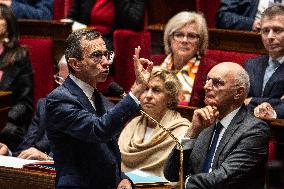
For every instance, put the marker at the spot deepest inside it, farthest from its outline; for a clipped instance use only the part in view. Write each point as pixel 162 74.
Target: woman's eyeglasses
pixel 192 37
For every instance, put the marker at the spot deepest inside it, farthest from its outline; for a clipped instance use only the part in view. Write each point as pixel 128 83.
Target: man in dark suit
pixel 82 124
pixel 242 14
pixel 266 72
pixel 237 14
pixel 226 147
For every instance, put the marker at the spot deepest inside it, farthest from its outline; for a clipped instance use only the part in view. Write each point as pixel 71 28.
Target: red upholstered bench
pixel 42 60
pixel 125 42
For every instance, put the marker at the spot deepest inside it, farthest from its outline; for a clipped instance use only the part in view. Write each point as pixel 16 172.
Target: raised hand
pixel 142 68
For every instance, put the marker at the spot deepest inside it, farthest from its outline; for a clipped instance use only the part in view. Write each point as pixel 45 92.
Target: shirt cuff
pixel 134 98
pixel 187 143
pixel 274 114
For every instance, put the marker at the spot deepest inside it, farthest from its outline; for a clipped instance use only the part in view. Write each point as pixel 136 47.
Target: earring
pixel 198 55
pixel 6 40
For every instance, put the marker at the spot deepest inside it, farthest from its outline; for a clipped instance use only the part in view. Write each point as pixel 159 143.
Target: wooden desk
pixel 219 39
pixel 12 178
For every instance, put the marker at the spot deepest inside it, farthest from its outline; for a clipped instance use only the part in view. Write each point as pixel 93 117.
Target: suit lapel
pixel 259 74
pixel 274 78
pixel 232 127
pixel 75 90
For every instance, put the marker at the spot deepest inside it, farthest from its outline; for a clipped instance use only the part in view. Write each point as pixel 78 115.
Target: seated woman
pixel 143 144
pixel 16 75
pixel 185 41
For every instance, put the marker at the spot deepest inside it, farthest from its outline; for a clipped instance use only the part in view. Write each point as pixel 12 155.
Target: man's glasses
pixel 179 36
pixel 216 82
pixel 97 56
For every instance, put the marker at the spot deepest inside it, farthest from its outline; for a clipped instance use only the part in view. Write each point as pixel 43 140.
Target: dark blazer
pixel 36 135
pixel 236 14
pixel 33 9
pixel 18 78
pixel 239 160
pixel 84 145
pixel 274 87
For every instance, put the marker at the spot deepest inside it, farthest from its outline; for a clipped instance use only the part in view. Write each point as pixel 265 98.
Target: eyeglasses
pixel 179 36
pixel 97 56
pixel 58 79
pixel 275 31
pixel 216 82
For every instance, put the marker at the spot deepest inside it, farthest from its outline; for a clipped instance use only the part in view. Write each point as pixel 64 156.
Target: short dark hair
pixel 272 11
pixel 73 43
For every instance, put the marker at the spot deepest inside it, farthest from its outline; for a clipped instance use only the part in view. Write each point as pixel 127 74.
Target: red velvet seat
pixel 41 57
pixel 125 42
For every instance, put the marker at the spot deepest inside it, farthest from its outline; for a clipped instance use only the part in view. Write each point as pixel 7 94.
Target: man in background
pixel 266 71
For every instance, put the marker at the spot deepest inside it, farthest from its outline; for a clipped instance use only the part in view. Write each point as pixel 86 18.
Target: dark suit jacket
pixel 33 9
pixel 239 160
pixel 18 78
pixel 236 14
pixel 274 87
pixel 84 145
pixel 36 135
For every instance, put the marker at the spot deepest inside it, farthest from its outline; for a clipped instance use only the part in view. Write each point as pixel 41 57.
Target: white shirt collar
pixel 279 59
pixel 228 118
pixel 87 89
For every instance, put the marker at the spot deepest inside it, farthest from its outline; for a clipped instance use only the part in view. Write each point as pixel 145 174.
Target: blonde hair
pixel 180 20
pixel 172 85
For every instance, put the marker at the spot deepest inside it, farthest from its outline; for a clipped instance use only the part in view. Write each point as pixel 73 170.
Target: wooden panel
pixel 160 11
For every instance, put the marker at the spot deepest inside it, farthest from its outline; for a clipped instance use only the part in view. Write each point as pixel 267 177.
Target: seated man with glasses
pixel 266 71
pixel 226 147
pixel 185 41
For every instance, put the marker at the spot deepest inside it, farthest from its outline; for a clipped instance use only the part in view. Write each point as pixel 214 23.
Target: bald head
pixel 226 87
pixel 235 73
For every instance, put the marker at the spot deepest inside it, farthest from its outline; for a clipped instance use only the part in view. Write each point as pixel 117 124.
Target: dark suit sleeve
pixel 172 165
pixel 70 117
pixel 36 135
pixel 231 15
pixel 276 103
pixel 247 158
pixel 40 9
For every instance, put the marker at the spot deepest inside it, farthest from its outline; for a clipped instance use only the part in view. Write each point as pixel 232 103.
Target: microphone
pixel 117 90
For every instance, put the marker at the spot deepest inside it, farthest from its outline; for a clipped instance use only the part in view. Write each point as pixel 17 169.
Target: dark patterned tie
pixel 211 151
pixel 100 110
pixel 272 67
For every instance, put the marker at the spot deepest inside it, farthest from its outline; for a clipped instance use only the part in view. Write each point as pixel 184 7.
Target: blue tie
pixel 210 153
pixel 271 68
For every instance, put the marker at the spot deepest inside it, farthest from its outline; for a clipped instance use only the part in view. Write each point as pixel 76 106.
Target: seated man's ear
pixel 75 64
pixel 239 93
